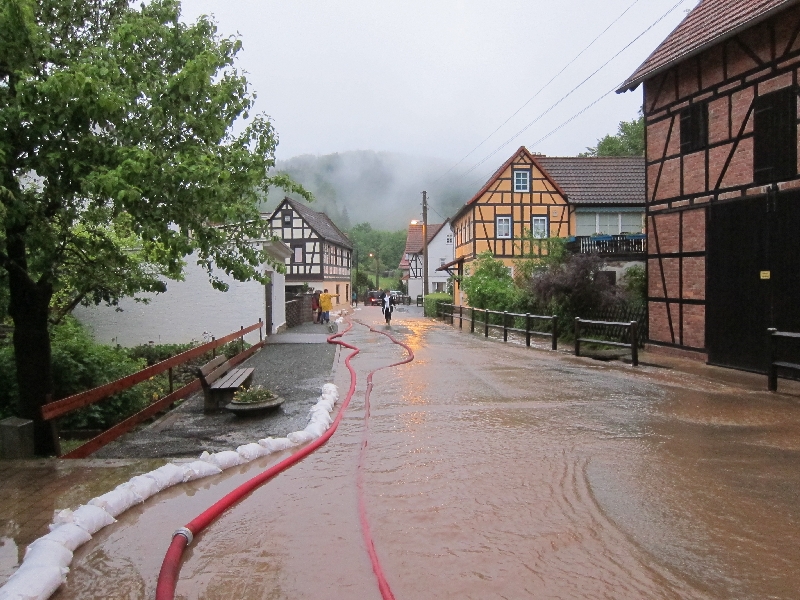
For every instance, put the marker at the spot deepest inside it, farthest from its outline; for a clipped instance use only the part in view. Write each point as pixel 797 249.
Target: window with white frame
pixel 503 228
pixel 298 254
pixel 449 239
pixel 539 227
pixel 608 223
pixel 442 261
pixel 522 181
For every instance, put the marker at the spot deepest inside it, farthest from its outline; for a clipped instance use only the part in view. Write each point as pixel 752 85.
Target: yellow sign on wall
pixel 766 274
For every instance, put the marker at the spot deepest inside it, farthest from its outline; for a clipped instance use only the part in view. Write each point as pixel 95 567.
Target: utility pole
pixel 424 243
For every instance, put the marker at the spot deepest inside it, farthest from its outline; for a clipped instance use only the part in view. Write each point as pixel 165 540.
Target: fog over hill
pixel 381 188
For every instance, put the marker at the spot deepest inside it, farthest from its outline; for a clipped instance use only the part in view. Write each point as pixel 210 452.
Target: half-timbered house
pixel 723 191
pixel 321 252
pixel 598 202
pixel 440 252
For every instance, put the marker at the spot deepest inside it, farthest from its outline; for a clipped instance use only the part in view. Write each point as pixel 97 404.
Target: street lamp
pixel 355 283
pixel 376 256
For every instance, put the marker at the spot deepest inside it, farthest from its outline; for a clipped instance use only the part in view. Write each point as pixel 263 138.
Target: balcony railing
pixel 608 244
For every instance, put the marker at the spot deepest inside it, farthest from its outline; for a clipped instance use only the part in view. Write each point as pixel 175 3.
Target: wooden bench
pixel 220 381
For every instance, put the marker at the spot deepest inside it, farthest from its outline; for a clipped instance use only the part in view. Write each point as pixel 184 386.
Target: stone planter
pixel 243 409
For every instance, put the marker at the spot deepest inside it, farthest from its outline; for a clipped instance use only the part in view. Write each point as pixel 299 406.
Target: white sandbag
pixel 340 320
pixel 91 518
pixel 331 389
pixel 300 437
pixel 277 444
pixel 199 469
pixel 33 583
pixel 61 517
pixel 321 415
pixel 142 486
pixel 224 460
pixel 166 476
pixel 47 553
pixel 70 536
pixel 325 404
pixel 315 429
pixel 117 501
pixel 252 451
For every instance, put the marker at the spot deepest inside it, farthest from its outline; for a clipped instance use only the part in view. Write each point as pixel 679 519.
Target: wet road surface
pixel 496 471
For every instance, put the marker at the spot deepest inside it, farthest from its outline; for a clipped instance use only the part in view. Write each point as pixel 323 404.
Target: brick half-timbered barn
pixel 321 252
pixel 723 192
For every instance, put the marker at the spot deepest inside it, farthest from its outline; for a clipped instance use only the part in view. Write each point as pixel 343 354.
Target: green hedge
pixel 79 364
pixel 431 300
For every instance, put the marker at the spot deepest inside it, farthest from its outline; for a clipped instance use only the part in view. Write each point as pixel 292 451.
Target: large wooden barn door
pixel 753 278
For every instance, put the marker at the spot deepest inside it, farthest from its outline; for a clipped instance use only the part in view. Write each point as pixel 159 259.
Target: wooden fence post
pixel 472 320
pixel 241 340
pixel 635 343
pixel 505 325
pixel 214 349
pixel 527 329
pixel 554 341
pixel 260 331
pixel 461 316
pixel 772 370
pixel 486 323
pixel 577 336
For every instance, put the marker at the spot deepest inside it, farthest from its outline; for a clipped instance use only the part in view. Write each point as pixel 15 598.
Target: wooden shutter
pixel 775 137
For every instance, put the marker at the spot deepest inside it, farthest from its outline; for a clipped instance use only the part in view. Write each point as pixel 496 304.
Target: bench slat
pixel 787 365
pixel 210 366
pixel 233 379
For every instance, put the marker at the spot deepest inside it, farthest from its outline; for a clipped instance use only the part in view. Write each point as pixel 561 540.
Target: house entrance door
pixel 753 278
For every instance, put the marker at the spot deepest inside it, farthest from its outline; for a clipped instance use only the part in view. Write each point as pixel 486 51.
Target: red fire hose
pixel 170 567
pixel 383 584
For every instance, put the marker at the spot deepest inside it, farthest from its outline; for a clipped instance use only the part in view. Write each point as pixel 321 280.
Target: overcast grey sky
pixel 435 77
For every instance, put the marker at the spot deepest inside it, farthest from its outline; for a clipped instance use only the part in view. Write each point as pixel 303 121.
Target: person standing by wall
pixel 325 306
pixel 315 305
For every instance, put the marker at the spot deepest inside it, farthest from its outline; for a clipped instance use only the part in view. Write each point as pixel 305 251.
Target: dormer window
pixel 287 218
pixel 522 181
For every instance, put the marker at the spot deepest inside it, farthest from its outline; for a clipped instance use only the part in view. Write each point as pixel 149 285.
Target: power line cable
pixel 541 89
pixel 573 90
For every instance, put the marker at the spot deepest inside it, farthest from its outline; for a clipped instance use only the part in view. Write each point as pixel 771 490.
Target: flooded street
pixel 496 471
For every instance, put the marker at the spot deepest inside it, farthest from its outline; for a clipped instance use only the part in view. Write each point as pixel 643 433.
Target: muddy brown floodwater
pixel 496 471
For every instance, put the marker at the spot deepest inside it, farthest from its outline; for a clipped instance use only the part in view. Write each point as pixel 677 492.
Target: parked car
pixel 396 294
pixel 373 298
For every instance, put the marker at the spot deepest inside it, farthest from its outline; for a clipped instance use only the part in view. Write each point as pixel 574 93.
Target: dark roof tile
pixel 319 222
pixel 597 180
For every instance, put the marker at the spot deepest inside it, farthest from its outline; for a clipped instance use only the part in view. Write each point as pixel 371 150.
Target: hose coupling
pixel 185 533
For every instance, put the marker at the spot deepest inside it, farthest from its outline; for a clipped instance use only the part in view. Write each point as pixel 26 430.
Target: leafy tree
pixel 489 284
pixel 118 159
pixel 388 244
pixel 629 141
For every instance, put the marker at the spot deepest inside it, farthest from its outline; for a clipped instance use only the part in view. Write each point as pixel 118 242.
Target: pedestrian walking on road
pixel 387 305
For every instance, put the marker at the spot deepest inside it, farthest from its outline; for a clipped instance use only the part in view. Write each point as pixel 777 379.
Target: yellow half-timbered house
pixel 534 197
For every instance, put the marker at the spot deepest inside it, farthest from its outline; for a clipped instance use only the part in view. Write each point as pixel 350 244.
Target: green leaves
pixel 125 118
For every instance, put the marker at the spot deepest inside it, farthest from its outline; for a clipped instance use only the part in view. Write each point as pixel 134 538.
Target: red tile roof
pixel 414 237
pixel 709 23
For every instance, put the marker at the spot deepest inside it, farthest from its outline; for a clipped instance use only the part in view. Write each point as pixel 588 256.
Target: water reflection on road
pixel 496 471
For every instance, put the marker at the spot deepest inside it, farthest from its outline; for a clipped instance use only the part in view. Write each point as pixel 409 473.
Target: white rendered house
pixel 440 252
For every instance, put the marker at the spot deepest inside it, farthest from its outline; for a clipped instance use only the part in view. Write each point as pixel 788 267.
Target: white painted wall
pixel 438 249
pixel 189 310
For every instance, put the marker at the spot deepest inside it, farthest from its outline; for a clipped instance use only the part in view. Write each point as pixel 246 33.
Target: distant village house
pixel 440 252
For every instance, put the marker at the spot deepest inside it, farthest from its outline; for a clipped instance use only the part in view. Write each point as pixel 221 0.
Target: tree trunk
pixel 29 308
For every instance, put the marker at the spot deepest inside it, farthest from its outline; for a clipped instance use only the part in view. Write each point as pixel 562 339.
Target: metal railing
pixel 632 330
pixel 608 244
pixel 505 321
pixel 772 369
